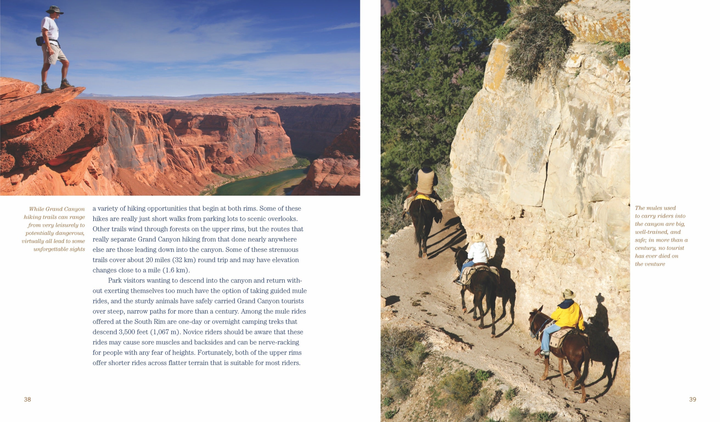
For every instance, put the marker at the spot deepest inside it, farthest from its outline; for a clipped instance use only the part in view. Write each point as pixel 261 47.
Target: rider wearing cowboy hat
pixel 478 252
pixel 567 314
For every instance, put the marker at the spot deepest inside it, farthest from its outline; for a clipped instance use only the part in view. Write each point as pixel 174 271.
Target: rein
pixel 542 326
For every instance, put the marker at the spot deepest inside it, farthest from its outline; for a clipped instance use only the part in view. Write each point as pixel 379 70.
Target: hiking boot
pixel 46 89
pixel 545 353
pixel 65 84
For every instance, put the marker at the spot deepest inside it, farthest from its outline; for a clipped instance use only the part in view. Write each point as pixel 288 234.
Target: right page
pixel 522 115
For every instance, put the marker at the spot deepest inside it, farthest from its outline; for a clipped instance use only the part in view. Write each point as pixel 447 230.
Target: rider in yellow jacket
pixel 567 314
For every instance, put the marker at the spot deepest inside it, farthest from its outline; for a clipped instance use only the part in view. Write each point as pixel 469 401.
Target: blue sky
pixel 182 47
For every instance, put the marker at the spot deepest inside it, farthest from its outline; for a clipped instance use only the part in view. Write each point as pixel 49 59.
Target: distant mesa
pixel 56 144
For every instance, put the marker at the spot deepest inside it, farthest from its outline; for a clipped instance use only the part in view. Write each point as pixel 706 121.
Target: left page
pixel 141 283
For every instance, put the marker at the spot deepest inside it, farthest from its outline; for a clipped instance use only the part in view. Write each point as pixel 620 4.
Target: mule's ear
pixel 454 249
pixel 541 306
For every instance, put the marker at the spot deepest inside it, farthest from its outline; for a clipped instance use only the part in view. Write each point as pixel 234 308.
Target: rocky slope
pixel 418 294
pixel 54 145
pixel 543 170
pixel 337 171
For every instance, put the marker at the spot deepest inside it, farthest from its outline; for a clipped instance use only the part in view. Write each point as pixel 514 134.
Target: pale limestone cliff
pixel 545 168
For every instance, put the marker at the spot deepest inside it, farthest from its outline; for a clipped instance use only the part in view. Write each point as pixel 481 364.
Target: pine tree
pixel 433 61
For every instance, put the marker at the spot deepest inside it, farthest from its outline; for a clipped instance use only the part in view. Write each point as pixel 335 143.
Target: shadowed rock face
pixel 313 128
pixel 16 108
pixel 77 126
pixel 337 171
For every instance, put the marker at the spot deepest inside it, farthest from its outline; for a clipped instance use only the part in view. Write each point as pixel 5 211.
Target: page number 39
pixel 693 399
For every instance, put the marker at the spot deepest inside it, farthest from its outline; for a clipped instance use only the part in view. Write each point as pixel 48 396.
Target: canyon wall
pixel 543 169
pixel 55 145
pixel 313 128
pixel 337 171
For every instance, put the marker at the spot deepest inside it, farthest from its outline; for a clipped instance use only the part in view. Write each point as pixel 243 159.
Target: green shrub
pixel 302 162
pixel 503 31
pixel 391 219
pixel 622 49
pixel 484 402
pixel 401 356
pixel 544 416
pixel 482 376
pixel 517 414
pixel 510 394
pixel 391 413
pixel 444 187
pixel 459 386
pixel 540 41
pixel 387 401
pixel 396 343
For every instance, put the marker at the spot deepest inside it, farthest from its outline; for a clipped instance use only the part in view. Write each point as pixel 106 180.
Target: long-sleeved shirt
pixel 479 252
pixel 568 314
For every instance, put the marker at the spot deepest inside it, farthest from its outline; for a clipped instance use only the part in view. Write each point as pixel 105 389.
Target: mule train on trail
pixel 574 348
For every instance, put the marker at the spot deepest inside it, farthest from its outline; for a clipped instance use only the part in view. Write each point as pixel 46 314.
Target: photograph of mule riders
pixel 502 99
pixel 52 53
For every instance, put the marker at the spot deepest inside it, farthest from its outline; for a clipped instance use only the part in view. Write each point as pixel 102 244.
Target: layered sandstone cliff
pixel 236 140
pixel 53 145
pixel 544 168
pixel 48 142
pixel 337 171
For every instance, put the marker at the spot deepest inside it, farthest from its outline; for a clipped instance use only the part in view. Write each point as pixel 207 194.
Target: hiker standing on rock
pixel 51 49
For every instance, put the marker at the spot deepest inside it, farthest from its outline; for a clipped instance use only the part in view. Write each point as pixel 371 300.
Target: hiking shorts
pixel 57 55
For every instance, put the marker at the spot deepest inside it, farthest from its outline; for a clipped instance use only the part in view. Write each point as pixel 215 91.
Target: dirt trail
pixel 421 292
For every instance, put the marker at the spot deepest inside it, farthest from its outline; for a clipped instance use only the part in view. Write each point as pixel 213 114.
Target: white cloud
pixel 289 63
pixel 344 26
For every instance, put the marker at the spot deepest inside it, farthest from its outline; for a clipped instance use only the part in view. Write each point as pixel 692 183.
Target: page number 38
pixel 693 399
pixel 27 399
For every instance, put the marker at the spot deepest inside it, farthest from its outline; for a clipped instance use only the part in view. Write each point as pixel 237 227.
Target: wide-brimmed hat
pixel 568 294
pixel 477 237
pixel 54 9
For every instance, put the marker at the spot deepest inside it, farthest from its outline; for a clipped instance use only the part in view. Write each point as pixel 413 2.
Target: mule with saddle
pixel 568 343
pixel 423 210
pixel 483 282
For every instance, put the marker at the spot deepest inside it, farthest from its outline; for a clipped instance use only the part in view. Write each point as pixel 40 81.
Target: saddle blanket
pixel 557 337
pixel 409 200
pixel 470 271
